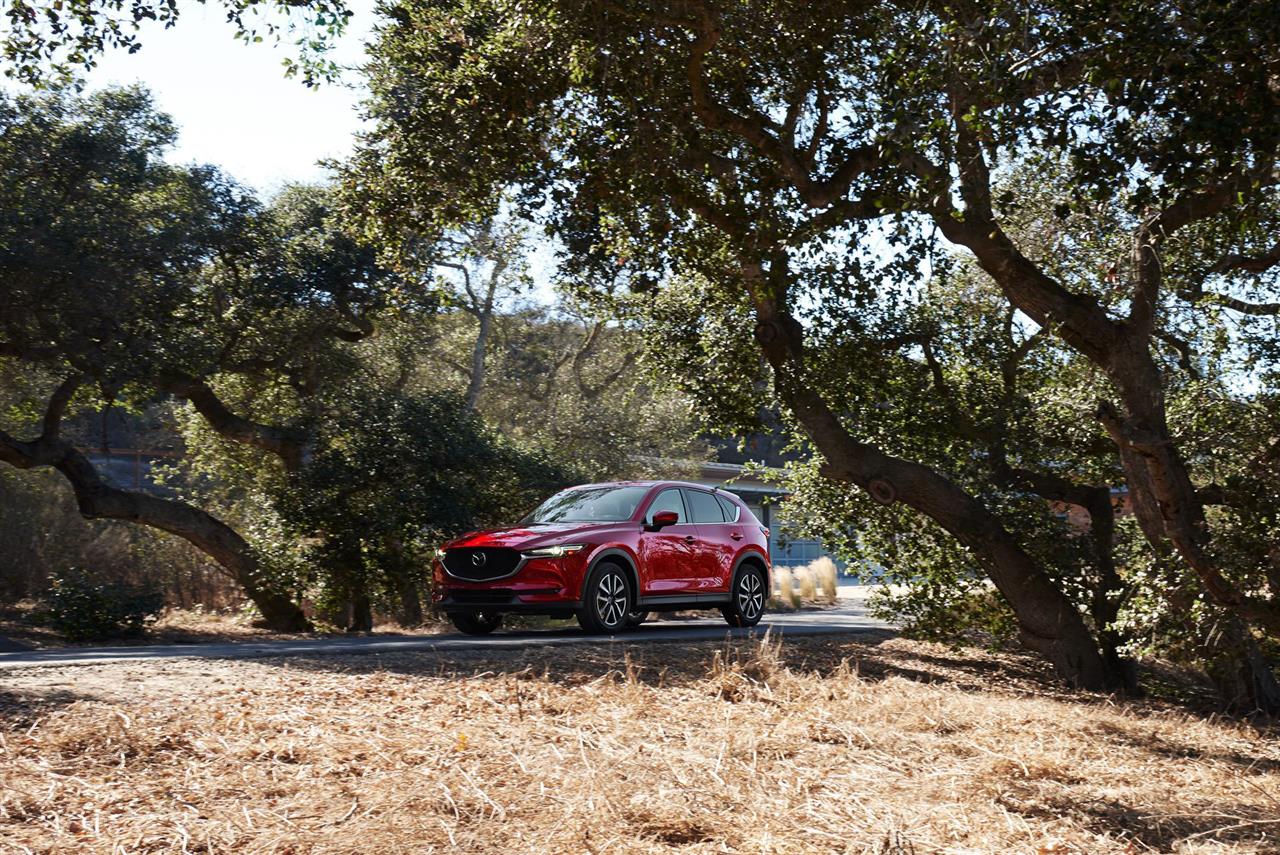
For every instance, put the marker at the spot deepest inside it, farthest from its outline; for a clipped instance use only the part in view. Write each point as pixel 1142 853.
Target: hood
pixel 528 537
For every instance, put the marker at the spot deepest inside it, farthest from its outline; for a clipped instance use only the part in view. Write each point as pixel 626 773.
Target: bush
pixel 83 611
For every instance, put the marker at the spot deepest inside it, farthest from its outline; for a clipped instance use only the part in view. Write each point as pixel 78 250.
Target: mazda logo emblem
pixel 478 559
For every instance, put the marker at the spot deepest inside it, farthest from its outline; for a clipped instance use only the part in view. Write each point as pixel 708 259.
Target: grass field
pixel 814 746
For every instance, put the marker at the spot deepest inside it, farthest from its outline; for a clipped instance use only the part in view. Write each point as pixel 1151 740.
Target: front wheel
pixel 476 623
pixel 606 600
pixel 746 601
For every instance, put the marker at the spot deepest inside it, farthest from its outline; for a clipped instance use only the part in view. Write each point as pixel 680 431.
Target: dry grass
pixel 825 570
pixel 812 583
pixel 785 594
pixel 815 746
pixel 808 588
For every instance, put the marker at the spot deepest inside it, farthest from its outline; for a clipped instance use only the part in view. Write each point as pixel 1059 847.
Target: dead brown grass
pixel 814 746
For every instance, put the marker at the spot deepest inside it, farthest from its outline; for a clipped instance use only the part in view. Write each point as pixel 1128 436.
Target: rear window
pixel 704 508
pixel 731 510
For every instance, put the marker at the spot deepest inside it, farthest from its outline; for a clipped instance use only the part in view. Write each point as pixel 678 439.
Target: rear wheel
pixel 606 600
pixel 746 600
pixel 476 623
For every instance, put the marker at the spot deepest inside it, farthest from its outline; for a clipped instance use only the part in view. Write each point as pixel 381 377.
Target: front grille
pixel 480 564
pixel 489 597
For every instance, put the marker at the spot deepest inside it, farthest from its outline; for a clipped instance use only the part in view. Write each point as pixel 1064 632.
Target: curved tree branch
pixel 97 499
pixel 288 445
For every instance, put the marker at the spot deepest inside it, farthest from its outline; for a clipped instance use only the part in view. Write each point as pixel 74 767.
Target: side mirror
pixel 662 519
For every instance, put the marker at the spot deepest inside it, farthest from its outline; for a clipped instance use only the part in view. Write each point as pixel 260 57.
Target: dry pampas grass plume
pixel 786 595
pixel 808 592
pixel 825 571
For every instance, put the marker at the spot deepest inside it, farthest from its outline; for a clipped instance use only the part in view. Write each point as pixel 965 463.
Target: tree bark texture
pixel 1048 621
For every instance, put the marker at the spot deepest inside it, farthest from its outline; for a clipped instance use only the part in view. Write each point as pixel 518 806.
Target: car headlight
pixel 553 551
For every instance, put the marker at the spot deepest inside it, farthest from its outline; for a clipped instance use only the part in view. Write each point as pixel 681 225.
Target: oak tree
pixel 806 158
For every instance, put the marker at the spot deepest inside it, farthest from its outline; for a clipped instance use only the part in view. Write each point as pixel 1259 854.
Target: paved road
pixel 849 617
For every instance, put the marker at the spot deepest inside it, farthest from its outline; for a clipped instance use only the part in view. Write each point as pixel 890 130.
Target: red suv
pixel 609 554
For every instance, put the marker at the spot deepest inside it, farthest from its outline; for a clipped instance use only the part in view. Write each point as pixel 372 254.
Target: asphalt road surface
pixel 848 617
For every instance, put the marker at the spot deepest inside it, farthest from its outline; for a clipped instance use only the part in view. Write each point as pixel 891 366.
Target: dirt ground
pixel 822 745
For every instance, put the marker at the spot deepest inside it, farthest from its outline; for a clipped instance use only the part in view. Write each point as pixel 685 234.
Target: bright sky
pixel 234 106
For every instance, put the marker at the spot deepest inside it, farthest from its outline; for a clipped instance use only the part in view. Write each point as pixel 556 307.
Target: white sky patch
pixel 234 106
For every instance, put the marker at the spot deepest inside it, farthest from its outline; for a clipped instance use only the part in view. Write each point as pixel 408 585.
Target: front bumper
pixel 546 586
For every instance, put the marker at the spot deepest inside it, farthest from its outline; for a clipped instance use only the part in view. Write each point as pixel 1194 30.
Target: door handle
pixel 736 535
pixel 688 538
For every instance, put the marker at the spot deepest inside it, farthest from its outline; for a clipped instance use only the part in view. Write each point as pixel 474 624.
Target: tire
pixel 606 600
pixel 476 623
pixel 634 619
pixel 746 600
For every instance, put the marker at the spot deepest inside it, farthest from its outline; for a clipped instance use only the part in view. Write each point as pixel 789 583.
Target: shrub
pixel 81 610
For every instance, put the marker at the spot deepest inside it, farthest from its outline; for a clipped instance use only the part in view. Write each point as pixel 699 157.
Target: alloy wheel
pixel 611 599
pixel 750 595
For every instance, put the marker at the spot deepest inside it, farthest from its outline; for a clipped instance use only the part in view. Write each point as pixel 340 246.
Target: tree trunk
pixel 1165 499
pixel 345 565
pixel 410 602
pixel 1107 588
pixel 1104 605
pixel 98 500
pixel 1164 496
pixel 361 611
pixel 402 577
pixel 1240 673
pixel 1048 621
pixel 475 385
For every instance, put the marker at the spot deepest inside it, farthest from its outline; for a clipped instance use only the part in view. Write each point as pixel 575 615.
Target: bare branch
pixel 1243 306
pixel 1186 356
pixel 758 130
pixel 1155 230
pixel 822 105
pixel 97 499
pixel 455 365
pixel 466 279
pixel 1078 318
pixel 1249 263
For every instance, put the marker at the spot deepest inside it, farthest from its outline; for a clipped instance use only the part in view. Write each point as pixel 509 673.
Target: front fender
pixel 615 552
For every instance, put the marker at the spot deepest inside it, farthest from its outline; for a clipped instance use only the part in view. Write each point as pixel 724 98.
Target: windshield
pixel 595 504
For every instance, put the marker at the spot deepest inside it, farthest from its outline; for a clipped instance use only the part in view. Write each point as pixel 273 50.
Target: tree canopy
pixel 45 43
pixel 328 447
pixel 808 165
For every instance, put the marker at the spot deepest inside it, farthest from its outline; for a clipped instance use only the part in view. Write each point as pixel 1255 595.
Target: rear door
pixel 668 555
pixel 715 548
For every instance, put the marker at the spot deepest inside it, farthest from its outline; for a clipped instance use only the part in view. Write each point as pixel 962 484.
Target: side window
pixel 667 500
pixel 731 510
pixel 703 507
